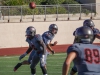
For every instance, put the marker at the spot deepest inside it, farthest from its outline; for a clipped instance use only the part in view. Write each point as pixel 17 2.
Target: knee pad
pixel 42 63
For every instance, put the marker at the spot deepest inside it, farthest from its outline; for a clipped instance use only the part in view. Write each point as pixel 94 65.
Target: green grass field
pixel 54 65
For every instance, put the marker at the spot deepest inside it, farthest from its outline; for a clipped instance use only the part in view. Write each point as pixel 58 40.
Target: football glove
pixel 22 56
pixel 53 52
pixel 55 43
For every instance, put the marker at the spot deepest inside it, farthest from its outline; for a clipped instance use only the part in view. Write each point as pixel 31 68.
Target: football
pixel 32 5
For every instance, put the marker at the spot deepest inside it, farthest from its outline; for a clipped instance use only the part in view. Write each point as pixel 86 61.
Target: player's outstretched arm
pixel 55 43
pixel 28 51
pixel 50 49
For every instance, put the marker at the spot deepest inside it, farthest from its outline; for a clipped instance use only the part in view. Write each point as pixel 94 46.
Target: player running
pixel 36 43
pixel 84 54
pixel 47 38
pixel 96 32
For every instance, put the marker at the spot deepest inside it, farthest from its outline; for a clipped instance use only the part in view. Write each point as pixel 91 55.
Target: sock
pixel 33 71
pixel 17 66
pixel 44 71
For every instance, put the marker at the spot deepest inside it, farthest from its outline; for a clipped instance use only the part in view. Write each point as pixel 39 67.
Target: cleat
pixel 15 69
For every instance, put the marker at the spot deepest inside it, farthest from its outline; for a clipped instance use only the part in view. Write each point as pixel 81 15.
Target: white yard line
pixel 27 71
pixel 27 56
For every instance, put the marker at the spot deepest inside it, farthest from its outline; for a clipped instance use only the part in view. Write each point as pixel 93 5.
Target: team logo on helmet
pixel 84 34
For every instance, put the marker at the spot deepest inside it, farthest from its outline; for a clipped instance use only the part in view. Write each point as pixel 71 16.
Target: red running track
pixel 21 50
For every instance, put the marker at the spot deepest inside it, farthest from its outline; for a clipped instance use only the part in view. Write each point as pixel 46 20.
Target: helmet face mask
pixel 54 31
pixel 53 28
pixel 30 32
pixel 84 35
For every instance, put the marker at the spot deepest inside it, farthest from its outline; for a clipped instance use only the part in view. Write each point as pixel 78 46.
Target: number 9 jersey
pixel 87 61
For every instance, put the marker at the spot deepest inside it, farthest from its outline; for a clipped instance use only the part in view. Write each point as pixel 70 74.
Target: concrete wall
pixel 13 34
pixel 97 1
pixel 98 7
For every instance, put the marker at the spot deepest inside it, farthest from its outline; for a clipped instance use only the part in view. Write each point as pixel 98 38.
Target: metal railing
pixel 49 12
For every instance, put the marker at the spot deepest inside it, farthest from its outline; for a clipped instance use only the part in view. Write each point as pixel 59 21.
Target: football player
pixel 36 43
pixel 88 23
pixel 47 38
pixel 84 54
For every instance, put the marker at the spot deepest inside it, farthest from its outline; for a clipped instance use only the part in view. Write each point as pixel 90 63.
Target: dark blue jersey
pixel 87 61
pixel 47 37
pixel 95 32
pixel 35 43
pixel 75 31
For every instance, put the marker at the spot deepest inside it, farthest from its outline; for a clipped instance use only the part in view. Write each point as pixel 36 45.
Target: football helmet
pixel 89 23
pixel 30 32
pixel 84 35
pixel 53 28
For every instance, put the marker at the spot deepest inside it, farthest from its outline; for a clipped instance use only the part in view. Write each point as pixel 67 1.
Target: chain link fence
pixel 49 12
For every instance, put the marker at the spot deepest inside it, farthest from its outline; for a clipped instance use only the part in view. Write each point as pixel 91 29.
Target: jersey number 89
pixel 92 56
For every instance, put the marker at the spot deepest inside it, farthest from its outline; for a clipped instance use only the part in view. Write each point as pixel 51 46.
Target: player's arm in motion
pixel 48 36
pixel 50 48
pixel 66 64
pixel 22 56
pixel 27 52
pixel 30 32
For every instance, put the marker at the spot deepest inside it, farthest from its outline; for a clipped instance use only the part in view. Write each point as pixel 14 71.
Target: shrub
pixel 50 9
pixel 13 2
pixel 70 2
pixel 85 11
pixel 54 2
